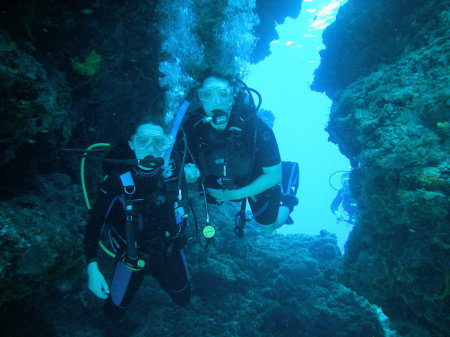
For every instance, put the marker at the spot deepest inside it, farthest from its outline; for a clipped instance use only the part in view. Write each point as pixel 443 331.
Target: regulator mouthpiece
pixel 219 116
pixel 151 162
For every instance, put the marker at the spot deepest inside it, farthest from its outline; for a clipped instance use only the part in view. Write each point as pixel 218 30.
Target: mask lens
pixel 224 93
pixel 160 144
pixel 208 94
pixel 205 94
pixel 142 141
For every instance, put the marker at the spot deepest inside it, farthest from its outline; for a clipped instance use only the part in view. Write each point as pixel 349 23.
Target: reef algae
pixel 90 66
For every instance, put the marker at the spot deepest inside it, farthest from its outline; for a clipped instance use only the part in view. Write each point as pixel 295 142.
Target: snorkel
pixel 167 170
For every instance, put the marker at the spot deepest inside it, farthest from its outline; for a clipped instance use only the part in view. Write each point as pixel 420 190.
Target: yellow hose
pixel 105 249
pixel 83 182
pixel 86 197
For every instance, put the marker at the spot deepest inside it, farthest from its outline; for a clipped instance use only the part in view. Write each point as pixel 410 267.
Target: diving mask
pixel 143 140
pixel 208 94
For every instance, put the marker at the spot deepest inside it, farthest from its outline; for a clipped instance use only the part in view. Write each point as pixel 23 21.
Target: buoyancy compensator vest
pixel 225 158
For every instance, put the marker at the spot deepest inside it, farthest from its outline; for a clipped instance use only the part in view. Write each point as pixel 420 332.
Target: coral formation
pixel 259 286
pixel 389 117
pixel 271 14
pixel 31 107
pixel 40 236
pixel 395 27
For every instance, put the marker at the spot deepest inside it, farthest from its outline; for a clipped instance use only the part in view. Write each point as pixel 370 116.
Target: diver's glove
pixel 97 282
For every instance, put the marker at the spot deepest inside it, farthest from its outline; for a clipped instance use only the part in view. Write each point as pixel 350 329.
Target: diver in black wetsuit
pixel 343 198
pixel 143 220
pixel 238 156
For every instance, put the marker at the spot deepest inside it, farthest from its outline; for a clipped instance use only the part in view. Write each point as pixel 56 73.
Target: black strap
pixel 240 220
pixel 133 219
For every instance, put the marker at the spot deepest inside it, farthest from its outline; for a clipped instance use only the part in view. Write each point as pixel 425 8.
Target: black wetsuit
pixel 161 246
pixel 344 198
pixel 243 150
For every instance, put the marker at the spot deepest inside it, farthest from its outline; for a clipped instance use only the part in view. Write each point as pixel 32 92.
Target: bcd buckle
pixel 136 264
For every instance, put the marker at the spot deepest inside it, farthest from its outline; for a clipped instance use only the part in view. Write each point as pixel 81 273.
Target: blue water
pixel 283 79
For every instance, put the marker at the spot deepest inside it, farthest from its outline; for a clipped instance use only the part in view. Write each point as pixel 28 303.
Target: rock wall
pixel 367 34
pixel 271 13
pixel 389 80
pixel 69 74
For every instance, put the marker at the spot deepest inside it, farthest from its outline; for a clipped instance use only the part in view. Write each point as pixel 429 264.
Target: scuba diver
pixel 343 198
pixel 139 210
pixel 238 156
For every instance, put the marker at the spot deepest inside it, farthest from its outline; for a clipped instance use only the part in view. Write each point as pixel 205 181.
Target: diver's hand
pixel 224 195
pixel 339 216
pixel 97 282
pixel 191 172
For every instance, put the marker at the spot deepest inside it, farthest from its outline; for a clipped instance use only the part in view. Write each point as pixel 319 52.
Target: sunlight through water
pixel 284 80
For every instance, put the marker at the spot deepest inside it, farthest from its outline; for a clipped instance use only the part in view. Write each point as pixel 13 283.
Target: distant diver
pixel 343 205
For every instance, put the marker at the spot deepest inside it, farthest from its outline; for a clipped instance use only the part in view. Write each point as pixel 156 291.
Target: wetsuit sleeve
pixel 348 203
pixel 267 152
pixel 336 202
pixel 106 193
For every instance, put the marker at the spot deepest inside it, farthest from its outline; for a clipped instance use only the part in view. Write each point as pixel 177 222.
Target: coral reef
pixel 46 103
pixel 389 117
pixel 355 48
pixel 32 108
pixel 41 244
pixel 255 286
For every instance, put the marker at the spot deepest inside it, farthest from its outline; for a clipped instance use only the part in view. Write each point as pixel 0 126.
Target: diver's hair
pixel 145 119
pixel 231 79
pixel 119 148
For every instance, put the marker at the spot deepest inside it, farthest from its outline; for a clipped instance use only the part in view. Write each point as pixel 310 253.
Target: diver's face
pixel 216 94
pixel 149 140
